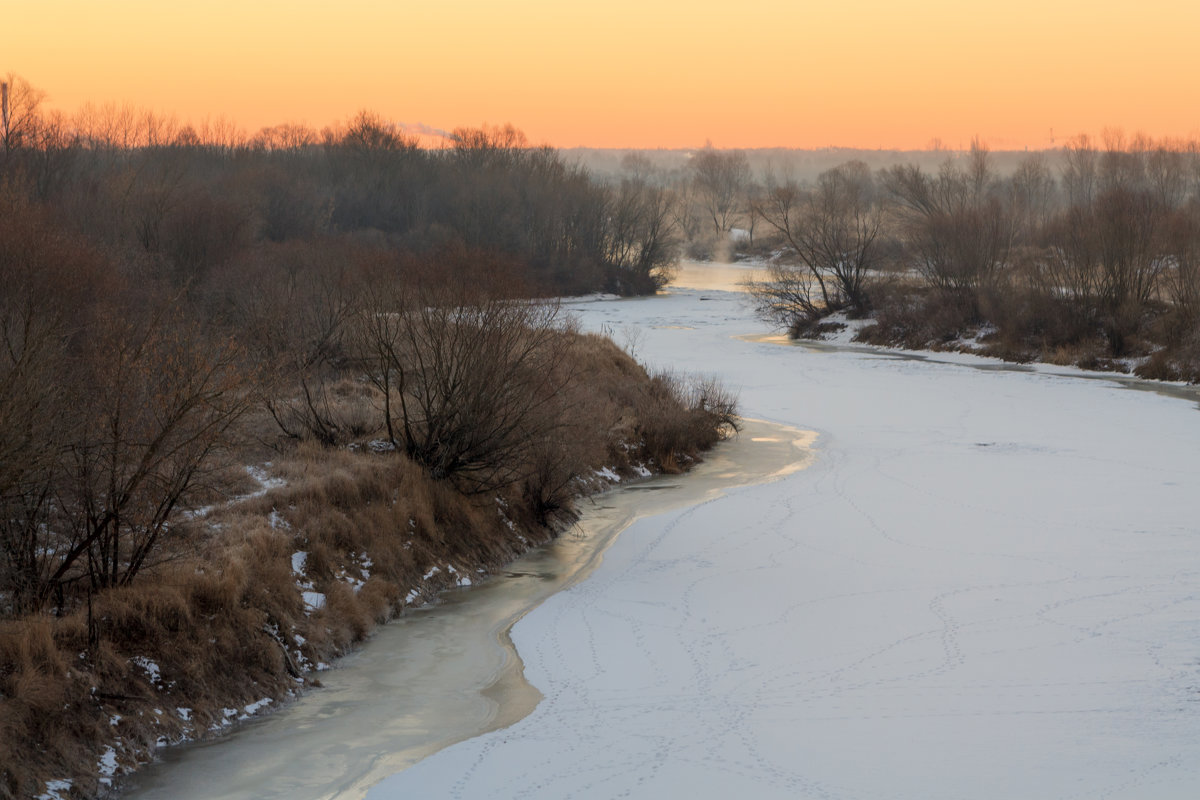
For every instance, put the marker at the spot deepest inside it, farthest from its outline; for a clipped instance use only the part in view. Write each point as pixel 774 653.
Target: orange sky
pixel 634 73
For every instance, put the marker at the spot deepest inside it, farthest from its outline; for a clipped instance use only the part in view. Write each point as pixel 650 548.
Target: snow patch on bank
pixel 608 474
pixel 56 790
pixel 107 766
pixel 152 670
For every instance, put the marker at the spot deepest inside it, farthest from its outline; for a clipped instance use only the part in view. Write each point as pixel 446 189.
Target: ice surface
pixel 987 586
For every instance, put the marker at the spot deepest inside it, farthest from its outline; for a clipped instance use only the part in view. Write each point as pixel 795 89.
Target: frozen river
pixel 986 585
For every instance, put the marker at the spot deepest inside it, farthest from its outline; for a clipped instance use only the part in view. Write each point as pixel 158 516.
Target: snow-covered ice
pixel 987 586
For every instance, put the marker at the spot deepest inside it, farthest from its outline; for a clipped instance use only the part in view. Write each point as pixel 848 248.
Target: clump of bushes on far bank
pixel 1097 267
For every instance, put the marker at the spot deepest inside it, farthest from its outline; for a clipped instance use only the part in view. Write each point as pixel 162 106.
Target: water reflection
pixel 712 277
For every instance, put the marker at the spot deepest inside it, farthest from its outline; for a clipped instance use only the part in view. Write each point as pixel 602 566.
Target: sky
pixel 634 73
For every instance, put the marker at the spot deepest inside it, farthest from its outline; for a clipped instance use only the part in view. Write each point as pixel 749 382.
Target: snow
pixel 312 600
pixel 56 790
pixel 265 482
pixel 985 586
pixel 608 474
pixel 107 766
pixel 501 508
pixel 150 668
pixel 459 579
pixel 253 708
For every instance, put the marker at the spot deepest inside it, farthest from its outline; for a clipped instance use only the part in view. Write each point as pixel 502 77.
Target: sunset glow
pixel 759 73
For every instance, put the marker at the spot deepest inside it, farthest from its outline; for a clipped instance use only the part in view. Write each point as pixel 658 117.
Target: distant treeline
pixel 187 202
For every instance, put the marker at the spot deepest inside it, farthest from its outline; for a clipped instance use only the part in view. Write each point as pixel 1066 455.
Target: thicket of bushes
pixel 252 394
pixel 216 619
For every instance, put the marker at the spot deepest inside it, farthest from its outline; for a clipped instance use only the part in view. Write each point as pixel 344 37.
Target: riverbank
pixel 446 672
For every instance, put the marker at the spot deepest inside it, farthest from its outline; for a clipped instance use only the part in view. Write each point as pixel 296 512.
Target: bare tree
pixel 34 427
pixel 686 211
pixel 834 230
pixel 755 196
pixel 466 380
pixel 19 126
pixel 720 178
pixel 958 226
pixel 294 305
pixel 49 280
pixel 1192 160
pixel 1181 274
pixel 637 167
pixel 163 401
pixel 1166 172
pixel 286 137
pixel 641 245
pixel 1123 162
pixel 1080 172
pixel 110 416
pixel 787 297
pixel 369 133
pixel 1127 226
pixel 1108 257
pixel 1033 191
